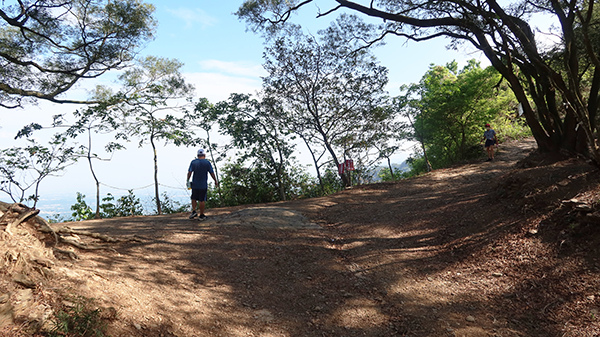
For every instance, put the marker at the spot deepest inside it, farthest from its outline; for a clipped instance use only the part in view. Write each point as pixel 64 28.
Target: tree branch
pixel 49 97
pixel 424 23
pixel 329 11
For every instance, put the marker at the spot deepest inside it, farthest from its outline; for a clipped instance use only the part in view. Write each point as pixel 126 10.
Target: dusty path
pixel 412 258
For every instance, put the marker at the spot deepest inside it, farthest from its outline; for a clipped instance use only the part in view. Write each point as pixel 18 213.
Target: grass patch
pixel 78 318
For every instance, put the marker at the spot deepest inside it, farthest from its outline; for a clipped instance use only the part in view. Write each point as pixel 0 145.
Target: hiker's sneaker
pixel 202 217
pixel 193 215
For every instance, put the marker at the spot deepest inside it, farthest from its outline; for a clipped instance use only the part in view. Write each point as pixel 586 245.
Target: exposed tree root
pixel 21 213
pixel 44 227
pixel 29 247
pixel 6 209
pixel 72 255
pixel 24 216
pixel 102 237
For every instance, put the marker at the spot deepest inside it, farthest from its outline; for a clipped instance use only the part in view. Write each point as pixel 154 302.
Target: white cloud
pixel 235 68
pixel 217 87
pixel 194 16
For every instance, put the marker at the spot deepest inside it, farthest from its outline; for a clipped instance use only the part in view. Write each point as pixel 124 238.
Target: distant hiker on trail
pixel 489 135
pixel 200 167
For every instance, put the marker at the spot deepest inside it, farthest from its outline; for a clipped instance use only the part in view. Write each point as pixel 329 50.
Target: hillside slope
pixel 507 248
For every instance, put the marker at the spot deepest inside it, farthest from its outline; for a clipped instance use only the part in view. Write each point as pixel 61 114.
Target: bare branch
pixel 329 11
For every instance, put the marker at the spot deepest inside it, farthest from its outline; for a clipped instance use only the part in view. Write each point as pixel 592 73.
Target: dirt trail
pixel 439 255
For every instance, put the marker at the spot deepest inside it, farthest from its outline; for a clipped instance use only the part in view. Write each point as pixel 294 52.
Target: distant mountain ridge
pixel 402 167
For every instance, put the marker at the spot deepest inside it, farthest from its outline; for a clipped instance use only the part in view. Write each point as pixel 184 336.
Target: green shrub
pixel 81 210
pixel 386 175
pixel 126 205
pixel 507 128
pixel 170 206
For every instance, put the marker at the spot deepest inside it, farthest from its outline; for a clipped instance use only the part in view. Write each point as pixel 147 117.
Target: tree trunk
pixel 89 157
pixel 427 162
pixel 36 195
pixel 212 157
pixel 156 193
pixel 97 215
pixel 345 180
pixel 594 98
pixel 316 162
pixel 511 48
pixel 391 169
pixel 279 171
pixel 506 68
pixel 281 186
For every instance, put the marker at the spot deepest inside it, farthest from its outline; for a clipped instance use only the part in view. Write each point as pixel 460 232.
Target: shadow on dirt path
pixel 391 259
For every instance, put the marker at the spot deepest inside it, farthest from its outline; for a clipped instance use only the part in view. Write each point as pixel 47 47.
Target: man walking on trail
pixel 489 135
pixel 200 167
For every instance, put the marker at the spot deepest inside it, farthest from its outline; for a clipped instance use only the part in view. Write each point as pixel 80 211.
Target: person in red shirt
pixel 489 135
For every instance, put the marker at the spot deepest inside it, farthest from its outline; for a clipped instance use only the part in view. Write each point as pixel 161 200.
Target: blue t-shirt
pixel 201 169
pixel 489 134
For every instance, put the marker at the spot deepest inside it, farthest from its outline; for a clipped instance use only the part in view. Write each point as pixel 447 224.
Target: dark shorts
pixel 489 142
pixel 199 194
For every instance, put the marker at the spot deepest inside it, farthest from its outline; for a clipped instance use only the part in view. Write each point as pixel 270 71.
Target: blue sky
pixel 220 58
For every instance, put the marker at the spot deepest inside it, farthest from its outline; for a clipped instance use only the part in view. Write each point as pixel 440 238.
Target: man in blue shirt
pixel 200 167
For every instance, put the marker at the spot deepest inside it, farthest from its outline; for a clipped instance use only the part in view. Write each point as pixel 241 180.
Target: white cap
pixel 201 152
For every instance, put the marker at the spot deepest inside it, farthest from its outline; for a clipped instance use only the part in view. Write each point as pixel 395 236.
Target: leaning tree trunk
pixel 316 162
pixel 555 127
pixel 89 158
pixel 389 162
pixel 345 180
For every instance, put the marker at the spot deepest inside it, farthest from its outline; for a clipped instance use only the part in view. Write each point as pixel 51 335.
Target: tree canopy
pixel 330 93
pixel 48 46
pixel 24 168
pixel 558 88
pixel 150 91
pixel 449 107
pixel 255 127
